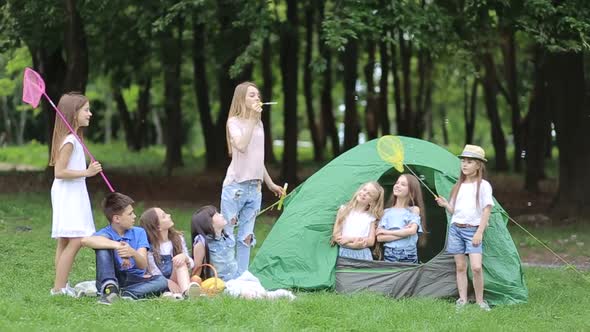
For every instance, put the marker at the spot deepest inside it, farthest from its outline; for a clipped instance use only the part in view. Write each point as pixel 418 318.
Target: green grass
pixel 558 298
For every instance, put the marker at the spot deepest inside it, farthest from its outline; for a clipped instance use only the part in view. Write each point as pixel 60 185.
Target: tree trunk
pixel 288 56
pixel 538 124
pixel 397 91
pixel 444 123
pixel 351 123
pixel 171 62
pixel 509 51
pixel 405 126
pixel 22 123
pixel 318 153
pixel 372 101
pixel 424 86
pixel 470 108
pixel 124 115
pixel 566 99
pixel 428 102
pixel 328 121
pixel 201 86
pixel 7 135
pixel 143 109
pixel 384 89
pixel 490 89
pixel 76 49
pixel 266 67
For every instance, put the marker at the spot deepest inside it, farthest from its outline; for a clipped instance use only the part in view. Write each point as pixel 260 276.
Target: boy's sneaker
pixel 460 304
pixel 484 306
pixel 193 291
pixel 110 294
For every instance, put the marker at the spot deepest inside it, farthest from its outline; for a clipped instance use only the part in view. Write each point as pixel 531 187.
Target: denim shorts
pixel 400 255
pixel 459 241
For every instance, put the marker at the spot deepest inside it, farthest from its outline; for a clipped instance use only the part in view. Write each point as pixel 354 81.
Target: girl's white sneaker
pixel 63 291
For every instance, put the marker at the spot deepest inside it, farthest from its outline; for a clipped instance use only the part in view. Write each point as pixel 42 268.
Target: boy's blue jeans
pixel 130 284
pixel 240 203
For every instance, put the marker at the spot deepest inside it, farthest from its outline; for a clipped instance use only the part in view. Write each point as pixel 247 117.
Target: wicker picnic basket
pixel 211 286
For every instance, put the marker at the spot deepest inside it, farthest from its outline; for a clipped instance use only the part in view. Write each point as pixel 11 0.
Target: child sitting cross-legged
pixel 168 255
pixel 121 254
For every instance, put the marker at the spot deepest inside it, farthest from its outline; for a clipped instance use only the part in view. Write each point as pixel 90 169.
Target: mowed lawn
pixel 559 299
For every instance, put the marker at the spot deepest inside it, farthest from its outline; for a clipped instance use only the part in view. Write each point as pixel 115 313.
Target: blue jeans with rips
pixel 131 285
pixel 240 203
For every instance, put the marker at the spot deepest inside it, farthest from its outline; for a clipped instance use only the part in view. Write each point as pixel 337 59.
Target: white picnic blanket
pixel 249 287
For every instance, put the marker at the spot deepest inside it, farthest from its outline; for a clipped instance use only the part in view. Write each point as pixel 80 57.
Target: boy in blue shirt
pixel 121 254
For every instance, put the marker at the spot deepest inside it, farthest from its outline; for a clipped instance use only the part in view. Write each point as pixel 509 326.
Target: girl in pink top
pixel 241 194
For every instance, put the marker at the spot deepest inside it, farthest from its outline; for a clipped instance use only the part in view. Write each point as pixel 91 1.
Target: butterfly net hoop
pixel 33 87
pixel 391 150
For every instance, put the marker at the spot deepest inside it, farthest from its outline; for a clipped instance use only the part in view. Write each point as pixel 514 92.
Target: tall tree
pixel 289 59
pixel 201 86
pixel 351 122
pixel 383 117
pixel 267 84
pixel 538 125
pixel 308 82
pixel 566 98
pixel 371 121
pixel 327 120
pixel 490 92
pixel 171 48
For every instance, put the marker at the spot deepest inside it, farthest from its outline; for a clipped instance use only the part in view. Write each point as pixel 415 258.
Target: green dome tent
pixel 297 252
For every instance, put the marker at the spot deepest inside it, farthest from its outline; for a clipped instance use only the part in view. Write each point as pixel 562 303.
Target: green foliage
pixel 557 25
pixel 556 302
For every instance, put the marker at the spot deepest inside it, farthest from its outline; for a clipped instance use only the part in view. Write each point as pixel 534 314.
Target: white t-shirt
pixel 357 224
pixel 466 209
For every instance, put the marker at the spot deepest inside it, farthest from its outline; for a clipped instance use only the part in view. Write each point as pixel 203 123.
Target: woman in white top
pixel 354 229
pixel 241 194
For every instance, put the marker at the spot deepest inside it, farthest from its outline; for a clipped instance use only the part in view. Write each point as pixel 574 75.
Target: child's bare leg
pixel 476 264
pixel 181 277
pixel 173 286
pixel 65 262
pixel 461 266
pixel 62 242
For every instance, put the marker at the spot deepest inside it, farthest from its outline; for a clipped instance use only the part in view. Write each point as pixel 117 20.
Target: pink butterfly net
pixel 33 89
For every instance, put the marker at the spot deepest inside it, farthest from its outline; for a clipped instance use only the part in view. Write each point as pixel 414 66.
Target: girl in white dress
pixel 72 215
pixel 354 229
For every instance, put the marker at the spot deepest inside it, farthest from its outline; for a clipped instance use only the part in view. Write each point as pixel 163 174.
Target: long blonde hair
pixel 69 105
pixel 375 207
pixel 238 108
pixel 481 173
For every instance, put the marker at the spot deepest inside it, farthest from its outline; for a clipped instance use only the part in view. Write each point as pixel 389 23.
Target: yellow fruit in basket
pixel 213 284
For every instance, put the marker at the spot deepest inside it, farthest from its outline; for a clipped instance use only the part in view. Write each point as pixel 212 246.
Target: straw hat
pixel 474 152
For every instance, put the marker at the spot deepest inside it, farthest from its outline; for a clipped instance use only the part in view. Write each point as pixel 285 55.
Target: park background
pixel 506 75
